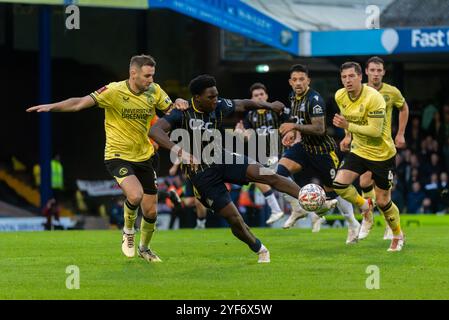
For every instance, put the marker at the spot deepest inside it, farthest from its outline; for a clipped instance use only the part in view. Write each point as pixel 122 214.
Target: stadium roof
pixel 309 15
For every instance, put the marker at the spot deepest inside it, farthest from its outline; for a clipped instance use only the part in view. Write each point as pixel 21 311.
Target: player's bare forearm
pixel 403 119
pixel 317 128
pixel 159 133
pixel 69 105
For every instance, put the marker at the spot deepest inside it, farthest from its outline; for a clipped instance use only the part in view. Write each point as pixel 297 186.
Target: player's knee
pixel 150 215
pixel 189 202
pixel 338 187
pixel 135 197
pixel 382 202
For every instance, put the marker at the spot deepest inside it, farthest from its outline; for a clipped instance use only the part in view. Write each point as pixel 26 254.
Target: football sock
pixel 130 214
pixel 391 214
pixel 349 193
pixel 272 201
pixel 347 211
pixel 147 227
pixel 369 193
pixel 256 247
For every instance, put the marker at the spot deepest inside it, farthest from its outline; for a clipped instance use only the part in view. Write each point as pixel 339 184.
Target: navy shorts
pixel 209 184
pixel 188 189
pixel 325 164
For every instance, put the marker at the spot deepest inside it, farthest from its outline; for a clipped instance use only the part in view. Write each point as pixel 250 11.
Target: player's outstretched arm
pixel 242 105
pixel 399 140
pixel 69 105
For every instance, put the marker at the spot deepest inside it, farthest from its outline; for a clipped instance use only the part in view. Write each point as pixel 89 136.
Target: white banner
pixel 97 188
pixel 32 224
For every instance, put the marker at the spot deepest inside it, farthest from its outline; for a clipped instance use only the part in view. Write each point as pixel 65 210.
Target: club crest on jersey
pixel 386 98
pixel 361 108
pixel 150 99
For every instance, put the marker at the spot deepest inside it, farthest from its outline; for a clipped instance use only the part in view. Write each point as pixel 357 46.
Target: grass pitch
pixel 212 264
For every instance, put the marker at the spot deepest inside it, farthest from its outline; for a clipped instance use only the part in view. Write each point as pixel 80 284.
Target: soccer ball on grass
pixel 312 197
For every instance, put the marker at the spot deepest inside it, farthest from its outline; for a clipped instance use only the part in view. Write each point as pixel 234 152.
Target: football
pixel 312 197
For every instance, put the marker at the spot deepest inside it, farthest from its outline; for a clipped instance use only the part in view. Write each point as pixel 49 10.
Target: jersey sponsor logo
pixel 376 113
pixel 265 130
pixel 136 114
pixel 197 124
pixel 317 109
pixel 102 89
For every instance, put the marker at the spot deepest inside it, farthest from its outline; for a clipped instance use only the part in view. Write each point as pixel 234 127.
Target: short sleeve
pixel 398 99
pixel 317 108
pixel 103 97
pixel 164 101
pixel 174 118
pixel 226 106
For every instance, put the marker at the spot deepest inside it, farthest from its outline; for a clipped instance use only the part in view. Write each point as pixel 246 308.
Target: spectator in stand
pixel 444 193
pixel 445 152
pixel 427 206
pixel 427 116
pixel 432 193
pixel 415 198
pixel 414 135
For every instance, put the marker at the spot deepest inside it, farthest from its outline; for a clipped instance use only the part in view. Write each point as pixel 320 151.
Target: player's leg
pixel 241 231
pixel 201 213
pixel 123 172
pixel 147 227
pixel 383 177
pixel 211 191
pixel 367 186
pixel 147 177
pixel 276 212
pixel 326 165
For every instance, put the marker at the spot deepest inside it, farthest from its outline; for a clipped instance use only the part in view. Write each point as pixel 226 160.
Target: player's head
pixel 141 71
pixel 204 92
pixel 375 70
pixel 299 79
pixel 351 76
pixel 258 92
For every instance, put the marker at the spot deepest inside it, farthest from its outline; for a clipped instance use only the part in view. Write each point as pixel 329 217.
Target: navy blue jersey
pixel 200 127
pixel 301 111
pixel 264 122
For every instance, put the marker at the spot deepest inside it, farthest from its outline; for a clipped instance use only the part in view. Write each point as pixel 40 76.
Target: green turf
pixel 212 264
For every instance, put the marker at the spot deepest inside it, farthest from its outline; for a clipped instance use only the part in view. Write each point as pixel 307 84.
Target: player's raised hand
pixel 181 104
pixel 40 108
pixel 340 121
pixel 277 106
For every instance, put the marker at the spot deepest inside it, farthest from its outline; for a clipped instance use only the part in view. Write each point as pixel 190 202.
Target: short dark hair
pixel 299 68
pixel 256 86
pixel 142 60
pixel 201 83
pixel 375 59
pixel 351 64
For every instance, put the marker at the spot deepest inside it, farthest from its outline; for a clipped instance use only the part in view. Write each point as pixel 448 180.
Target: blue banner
pixel 376 41
pixel 236 16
